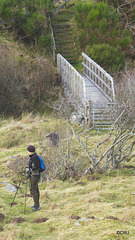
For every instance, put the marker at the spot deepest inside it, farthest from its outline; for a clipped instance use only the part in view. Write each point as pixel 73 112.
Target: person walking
pixel 34 175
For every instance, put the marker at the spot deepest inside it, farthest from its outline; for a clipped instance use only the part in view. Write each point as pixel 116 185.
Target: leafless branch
pixel 82 145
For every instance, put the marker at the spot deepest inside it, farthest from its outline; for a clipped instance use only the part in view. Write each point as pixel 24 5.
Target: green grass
pixel 106 195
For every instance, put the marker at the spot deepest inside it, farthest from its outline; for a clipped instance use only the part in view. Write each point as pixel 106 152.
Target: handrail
pixel 55 2
pixel 53 44
pixel 66 1
pixel 9 20
pixel 99 77
pixel 72 80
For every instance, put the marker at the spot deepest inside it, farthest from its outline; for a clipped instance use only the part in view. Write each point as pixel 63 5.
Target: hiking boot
pixel 35 209
pixel 33 206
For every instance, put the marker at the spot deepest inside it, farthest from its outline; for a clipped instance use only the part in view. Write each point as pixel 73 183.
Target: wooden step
pixel 63 41
pixel 59 26
pixel 62 35
pixel 62 30
pixel 63 44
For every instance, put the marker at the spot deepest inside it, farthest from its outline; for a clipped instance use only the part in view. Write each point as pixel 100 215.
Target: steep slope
pixel 63 34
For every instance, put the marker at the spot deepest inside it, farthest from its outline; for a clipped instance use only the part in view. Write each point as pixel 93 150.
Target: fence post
pixel 88 113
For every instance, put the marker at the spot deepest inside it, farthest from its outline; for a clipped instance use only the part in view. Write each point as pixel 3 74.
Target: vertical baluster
pixel 96 72
pixel 69 73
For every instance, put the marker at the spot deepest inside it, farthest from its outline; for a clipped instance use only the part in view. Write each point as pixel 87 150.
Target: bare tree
pixel 120 142
pixel 125 90
pixel 59 160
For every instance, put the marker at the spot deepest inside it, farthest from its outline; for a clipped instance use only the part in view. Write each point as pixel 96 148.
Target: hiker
pixel 34 176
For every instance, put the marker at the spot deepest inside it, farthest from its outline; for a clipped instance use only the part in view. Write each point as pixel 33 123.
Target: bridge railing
pixel 71 79
pixel 99 77
pixel 63 4
pixel 53 44
pixel 55 2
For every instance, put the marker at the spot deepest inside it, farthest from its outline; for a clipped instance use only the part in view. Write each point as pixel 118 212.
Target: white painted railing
pixel 53 44
pixel 99 77
pixel 71 79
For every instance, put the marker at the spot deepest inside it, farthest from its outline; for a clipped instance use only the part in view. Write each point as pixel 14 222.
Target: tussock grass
pixel 93 201
pixel 129 214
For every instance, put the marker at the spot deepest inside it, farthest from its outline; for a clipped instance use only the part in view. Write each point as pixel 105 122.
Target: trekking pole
pixel 25 196
pixel 17 189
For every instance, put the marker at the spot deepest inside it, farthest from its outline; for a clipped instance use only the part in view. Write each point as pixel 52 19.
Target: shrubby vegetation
pixel 100 33
pixel 108 23
pixel 107 56
pixel 79 151
pixel 25 81
pixel 29 20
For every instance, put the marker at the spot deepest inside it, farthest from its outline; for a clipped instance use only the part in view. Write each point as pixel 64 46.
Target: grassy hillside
pixel 90 208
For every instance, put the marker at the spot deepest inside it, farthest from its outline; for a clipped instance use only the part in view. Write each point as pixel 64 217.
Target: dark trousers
pixel 34 191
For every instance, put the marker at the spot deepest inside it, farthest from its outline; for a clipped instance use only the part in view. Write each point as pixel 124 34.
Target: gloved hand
pixel 28 174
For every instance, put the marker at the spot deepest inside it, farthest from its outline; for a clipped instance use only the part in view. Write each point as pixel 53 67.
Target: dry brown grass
pixel 104 203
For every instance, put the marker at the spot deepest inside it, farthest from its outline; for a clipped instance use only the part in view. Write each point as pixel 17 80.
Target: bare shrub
pixel 17 166
pixel 25 82
pixel 12 99
pixel 42 79
pixel 113 149
pixel 125 91
pixel 62 161
pixel 64 105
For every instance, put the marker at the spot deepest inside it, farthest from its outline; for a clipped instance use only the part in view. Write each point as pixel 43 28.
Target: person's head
pixel 31 149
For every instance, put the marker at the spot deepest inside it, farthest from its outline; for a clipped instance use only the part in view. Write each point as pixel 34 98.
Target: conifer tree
pixel 29 16
pixel 99 24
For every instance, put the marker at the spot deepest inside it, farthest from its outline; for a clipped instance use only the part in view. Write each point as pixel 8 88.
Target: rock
pixel 84 220
pixel 10 188
pixel 77 223
pixel 73 118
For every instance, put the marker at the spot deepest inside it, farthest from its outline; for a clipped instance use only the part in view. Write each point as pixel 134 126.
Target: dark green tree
pixel 109 57
pixel 30 16
pixel 99 24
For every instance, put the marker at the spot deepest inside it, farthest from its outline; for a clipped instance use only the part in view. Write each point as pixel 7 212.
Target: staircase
pixel 102 115
pixel 94 87
pixel 62 31
pixel 101 110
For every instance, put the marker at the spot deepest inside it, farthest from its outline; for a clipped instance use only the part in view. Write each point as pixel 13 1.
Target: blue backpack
pixel 42 165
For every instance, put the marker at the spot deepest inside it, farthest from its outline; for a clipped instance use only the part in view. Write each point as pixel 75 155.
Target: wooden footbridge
pixel 94 88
